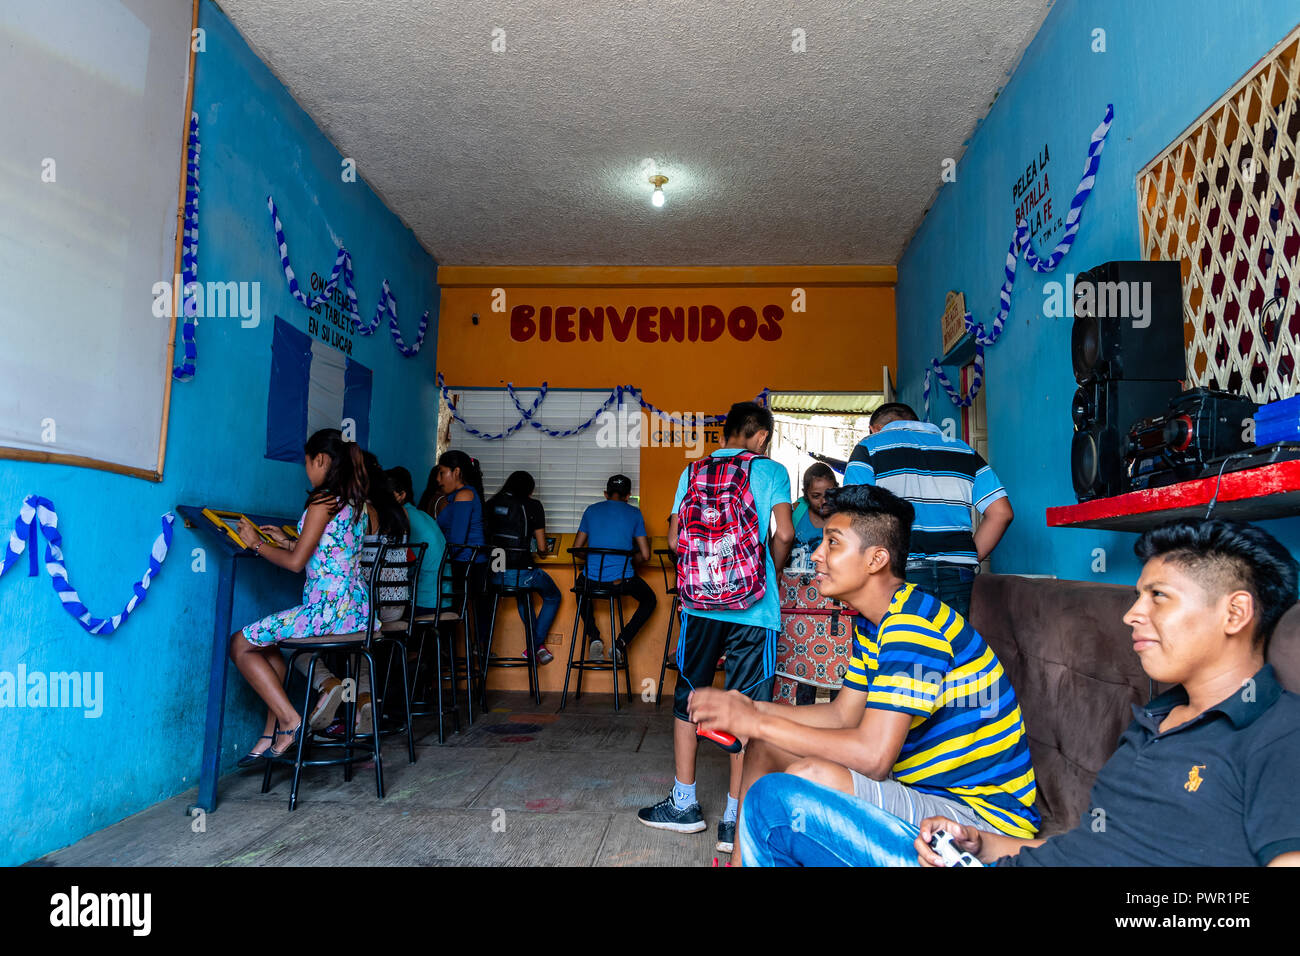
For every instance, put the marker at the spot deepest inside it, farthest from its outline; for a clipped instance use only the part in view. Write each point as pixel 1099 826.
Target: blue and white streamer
pixel 342 273
pixel 38 514
pixel 615 397
pixel 190 255
pixel 1022 245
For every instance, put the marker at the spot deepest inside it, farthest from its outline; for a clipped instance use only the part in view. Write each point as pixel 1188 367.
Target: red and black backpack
pixel 721 557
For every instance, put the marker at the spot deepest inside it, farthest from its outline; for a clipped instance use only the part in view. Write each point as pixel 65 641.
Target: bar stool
pixel 523 595
pixel 670 587
pixel 353 646
pixel 674 618
pixel 451 602
pixel 589 590
pixel 396 588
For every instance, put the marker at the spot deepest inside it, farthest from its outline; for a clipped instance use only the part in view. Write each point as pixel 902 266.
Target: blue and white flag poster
pixel 312 386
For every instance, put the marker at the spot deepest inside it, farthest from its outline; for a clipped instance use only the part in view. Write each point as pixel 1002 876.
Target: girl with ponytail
pixel 335 598
pixel 460 480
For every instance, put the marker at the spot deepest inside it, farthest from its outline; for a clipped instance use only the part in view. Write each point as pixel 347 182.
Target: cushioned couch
pixel 1070 658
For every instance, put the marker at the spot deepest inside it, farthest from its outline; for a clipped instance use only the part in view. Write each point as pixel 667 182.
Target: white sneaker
pixel 597 650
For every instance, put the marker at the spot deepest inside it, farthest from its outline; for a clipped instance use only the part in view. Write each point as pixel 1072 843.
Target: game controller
pixel 941 842
pixel 724 740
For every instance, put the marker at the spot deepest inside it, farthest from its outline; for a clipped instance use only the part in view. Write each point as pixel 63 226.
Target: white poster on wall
pixel 91 134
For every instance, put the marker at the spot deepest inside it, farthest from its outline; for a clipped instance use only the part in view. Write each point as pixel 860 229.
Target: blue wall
pixel 1166 61
pixel 66 775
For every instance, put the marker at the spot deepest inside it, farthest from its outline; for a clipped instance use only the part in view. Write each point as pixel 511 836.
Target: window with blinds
pixel 570 472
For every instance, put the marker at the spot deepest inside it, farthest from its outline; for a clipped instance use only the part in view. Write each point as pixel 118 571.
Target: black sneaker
pixel 664 815
pixel 726 836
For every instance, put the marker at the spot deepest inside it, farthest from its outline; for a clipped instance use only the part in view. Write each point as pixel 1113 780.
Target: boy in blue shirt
pixel 613 523
pixel 747 637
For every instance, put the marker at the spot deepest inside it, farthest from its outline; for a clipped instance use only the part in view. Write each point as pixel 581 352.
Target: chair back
pixel 396 583
pixel 453 579
pixel 613 559
pixel 667 559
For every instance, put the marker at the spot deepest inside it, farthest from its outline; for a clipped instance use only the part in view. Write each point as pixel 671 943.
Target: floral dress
pixel 335 599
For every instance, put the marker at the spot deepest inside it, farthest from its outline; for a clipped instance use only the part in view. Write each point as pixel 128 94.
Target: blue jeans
pixel 789 821
pixel 950 583
pixel 540 581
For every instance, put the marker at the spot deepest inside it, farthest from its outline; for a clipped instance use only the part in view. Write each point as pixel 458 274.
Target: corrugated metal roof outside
pixel 842 403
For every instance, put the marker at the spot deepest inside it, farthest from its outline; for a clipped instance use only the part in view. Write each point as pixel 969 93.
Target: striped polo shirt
pixel 967 740
pixel 942 477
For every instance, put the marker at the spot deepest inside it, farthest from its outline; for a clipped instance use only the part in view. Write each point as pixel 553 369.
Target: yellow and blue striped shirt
pixel 967 740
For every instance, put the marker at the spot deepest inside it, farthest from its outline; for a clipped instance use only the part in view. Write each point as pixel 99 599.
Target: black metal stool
pixel 452 602
pixel 396 588
pixel 670 587
pixel 674 618
pixel 523 595
pixel 353 645
pixel 587 591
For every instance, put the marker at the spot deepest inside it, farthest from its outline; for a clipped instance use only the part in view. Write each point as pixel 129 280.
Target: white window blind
pixel 570 472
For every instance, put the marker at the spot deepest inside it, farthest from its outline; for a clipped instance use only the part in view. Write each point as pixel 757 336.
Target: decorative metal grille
pixel 1222 199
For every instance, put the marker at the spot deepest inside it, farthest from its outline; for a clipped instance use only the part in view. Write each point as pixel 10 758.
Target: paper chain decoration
pixel 1021 244
pixel 190 254
pixel 342 271
pixel 526 414
pixel 38 513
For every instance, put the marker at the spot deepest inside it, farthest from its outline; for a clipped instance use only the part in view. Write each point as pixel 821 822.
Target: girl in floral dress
pixel 336 599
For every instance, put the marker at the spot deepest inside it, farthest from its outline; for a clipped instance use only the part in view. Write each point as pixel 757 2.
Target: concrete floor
pixel 525 786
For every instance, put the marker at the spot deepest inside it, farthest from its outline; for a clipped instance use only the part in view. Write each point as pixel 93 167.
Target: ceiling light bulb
pixel 657 197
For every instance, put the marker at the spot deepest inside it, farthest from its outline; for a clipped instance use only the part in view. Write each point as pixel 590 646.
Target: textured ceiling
pixel 534 156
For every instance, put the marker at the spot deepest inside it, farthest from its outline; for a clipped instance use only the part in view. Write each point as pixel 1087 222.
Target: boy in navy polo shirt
pixel 1206 775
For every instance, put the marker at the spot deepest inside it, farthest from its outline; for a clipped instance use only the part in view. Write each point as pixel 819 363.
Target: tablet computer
pixel 228 521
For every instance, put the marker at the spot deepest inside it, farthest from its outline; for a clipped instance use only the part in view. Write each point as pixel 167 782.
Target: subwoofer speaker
pixel 1128 323
pixel 1103 411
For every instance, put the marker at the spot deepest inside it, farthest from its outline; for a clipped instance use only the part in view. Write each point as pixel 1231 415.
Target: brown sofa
pixel 1070 657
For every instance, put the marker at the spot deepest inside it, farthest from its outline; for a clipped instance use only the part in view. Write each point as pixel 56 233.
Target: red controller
pixel 727 742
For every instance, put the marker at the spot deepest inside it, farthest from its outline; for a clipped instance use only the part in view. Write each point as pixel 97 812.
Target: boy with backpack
pixel 726 578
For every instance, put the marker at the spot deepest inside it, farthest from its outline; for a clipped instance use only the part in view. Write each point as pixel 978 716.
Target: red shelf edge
pixel 1260 482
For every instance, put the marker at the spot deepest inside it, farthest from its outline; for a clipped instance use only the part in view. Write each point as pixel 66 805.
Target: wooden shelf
pixel 1252 494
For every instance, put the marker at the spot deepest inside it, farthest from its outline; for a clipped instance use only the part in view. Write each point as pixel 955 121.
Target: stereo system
pixel 1199 426
pixel 1127 349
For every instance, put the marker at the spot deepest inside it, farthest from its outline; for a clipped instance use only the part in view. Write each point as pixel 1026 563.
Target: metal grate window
pixel 1222 199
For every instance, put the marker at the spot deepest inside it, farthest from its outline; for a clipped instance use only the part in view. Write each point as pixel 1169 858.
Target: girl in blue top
pixel 461 482
pixel 810 515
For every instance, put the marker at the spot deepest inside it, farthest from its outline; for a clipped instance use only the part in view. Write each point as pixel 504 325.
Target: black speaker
pixel 1128 323
pixel 1104 410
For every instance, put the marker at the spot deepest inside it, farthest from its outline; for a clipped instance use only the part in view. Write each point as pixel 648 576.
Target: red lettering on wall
pixel 771 330
pixel 522 326
pixel 620 326
pixel 693 323
pixel 712 323
pixel 742 323
pixel 591 324
pixel 645 323
pixel 544 323
pixel 672 323
pixel 564 323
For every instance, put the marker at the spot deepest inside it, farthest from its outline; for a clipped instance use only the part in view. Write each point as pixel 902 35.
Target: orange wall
pixel 841 342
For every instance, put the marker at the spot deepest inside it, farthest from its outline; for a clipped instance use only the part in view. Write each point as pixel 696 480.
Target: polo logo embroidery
pixel 1194 778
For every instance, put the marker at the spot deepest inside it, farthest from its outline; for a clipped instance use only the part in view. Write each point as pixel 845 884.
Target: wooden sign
pixel 951 326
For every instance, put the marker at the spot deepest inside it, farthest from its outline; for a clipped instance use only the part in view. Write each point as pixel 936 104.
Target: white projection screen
pixel 92 124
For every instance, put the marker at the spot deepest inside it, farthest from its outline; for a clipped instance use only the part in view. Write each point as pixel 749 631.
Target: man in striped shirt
pixel 943 478
pixel 926 717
